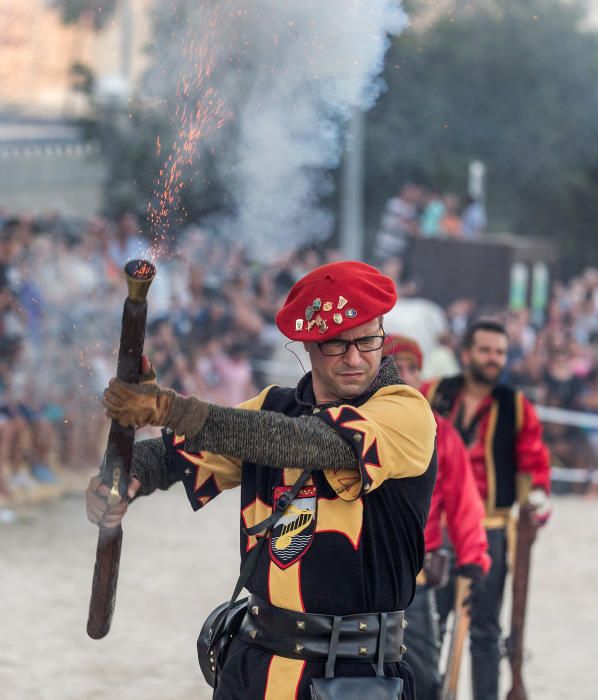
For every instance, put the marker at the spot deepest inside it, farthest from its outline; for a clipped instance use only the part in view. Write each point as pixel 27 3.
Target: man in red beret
pixel 337 473
pixel 457 500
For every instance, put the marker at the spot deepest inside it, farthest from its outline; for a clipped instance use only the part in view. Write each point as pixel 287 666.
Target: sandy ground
pixel 177 565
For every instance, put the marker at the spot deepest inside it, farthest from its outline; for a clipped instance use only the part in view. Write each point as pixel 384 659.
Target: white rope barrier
pixel 578 419
pixel 569 475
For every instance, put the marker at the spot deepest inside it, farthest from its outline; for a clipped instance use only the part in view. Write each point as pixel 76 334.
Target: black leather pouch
pixel 376 688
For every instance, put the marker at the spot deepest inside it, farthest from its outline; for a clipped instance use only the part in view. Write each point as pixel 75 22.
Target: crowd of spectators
pixel 210 329
pixel 416 211
pixel 210 332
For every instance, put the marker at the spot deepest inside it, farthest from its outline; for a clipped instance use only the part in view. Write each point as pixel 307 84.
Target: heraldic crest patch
pixel 294 532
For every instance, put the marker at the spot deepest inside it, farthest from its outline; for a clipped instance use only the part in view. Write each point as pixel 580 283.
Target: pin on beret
pixel 396 345
pixel 334 298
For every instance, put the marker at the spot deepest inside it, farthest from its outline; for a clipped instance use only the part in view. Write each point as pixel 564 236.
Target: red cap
pixel 334 298
pixel 396 345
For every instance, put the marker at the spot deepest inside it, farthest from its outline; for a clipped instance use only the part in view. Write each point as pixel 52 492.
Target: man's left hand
pixel 140 404
pixel 540 501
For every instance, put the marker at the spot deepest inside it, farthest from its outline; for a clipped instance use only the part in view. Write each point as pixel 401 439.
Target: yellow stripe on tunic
pixel 285 586
pixel 283 678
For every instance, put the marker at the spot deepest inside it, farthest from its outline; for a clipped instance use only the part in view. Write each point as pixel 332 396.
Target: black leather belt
pixel 298 635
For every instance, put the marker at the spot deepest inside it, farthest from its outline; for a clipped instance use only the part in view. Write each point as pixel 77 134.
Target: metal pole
pixel 126 45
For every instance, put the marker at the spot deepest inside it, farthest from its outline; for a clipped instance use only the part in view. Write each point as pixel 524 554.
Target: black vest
pixel 501 466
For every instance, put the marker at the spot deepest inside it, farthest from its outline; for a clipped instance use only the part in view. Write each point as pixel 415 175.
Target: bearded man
pixel 503 435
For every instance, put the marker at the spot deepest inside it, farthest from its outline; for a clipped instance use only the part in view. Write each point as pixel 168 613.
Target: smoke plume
pixel 289 73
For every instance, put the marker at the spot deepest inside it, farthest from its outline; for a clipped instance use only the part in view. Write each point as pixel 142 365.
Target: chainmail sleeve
pixel 273 439
pixel 262 437
pixel 150 466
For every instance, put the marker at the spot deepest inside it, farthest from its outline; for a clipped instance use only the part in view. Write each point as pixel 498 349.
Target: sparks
pixel 199 112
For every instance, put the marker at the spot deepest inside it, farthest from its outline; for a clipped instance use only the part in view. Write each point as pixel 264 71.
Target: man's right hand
pixel 96 502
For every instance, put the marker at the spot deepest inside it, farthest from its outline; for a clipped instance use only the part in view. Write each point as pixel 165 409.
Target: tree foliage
pixel 510 84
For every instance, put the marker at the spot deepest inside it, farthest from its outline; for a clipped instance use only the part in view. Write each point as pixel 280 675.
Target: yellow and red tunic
pixel 352 541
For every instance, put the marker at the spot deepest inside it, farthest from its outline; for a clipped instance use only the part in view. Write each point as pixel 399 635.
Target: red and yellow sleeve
pixel 531 453
pixel 461 499
pixel 393 437
pixel 205 474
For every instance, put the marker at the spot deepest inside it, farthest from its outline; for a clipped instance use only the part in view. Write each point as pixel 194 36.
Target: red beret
pixel 401 345
pixel 334 298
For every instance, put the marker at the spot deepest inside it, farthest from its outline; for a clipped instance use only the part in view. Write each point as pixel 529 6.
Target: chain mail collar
pixel 387 375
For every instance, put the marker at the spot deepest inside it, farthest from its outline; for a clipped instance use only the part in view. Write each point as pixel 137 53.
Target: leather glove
pixel 136 405
pixel 147 403
pixel 540 501
pixel 475 574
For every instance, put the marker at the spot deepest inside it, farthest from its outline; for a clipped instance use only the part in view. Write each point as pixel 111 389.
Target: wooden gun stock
pixel 526 534
pixel 458 637
pixel 105 578
pixel 119 452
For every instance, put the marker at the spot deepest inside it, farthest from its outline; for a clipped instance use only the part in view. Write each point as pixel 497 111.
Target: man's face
pixel 486 358
pixel 408 369
pixel 348 375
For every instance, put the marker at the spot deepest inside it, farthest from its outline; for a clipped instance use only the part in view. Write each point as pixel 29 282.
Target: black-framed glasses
pixel 336 346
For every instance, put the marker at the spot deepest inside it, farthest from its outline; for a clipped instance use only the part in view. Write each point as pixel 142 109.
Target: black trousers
pixel 485 631
pixel 422 639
